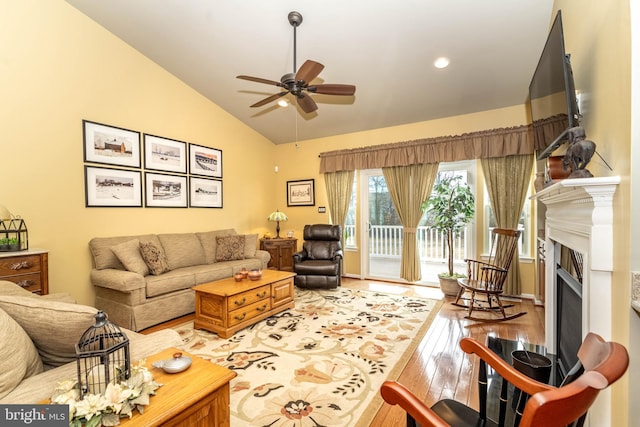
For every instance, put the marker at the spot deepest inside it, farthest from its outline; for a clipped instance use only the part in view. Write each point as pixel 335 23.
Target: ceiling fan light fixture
pixel 442 62
pixel 283 103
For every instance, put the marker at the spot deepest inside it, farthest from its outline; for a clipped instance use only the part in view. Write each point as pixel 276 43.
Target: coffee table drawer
pixel 250 311
pixel 249 297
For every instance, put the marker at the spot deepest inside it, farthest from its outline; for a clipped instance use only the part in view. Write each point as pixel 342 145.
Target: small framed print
pixel 164 154
pixel 205 193
pixel 205 161
pixel 110 145
pixel 106 187
pixel 165 191
pixel 301 193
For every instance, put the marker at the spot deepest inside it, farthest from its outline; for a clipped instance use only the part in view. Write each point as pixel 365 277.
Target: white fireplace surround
pixel 580 216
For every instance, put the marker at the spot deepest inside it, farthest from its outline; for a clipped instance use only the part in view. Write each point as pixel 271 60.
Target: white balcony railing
pixel 386 241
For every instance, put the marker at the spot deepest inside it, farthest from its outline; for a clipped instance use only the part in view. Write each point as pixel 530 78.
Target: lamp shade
pixel 278 216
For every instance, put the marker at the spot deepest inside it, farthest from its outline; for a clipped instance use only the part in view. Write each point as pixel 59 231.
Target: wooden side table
pixel 281 251
pixel 198 396
pixel 28 269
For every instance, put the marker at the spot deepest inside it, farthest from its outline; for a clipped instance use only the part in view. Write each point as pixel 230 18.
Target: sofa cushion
pixel 54 327
pixel 250 245
pixel 128 254
pixel 229 248
pixel 182 250
pixel 154 258
pixel 208 242
pixel 19 358
pixel 103 256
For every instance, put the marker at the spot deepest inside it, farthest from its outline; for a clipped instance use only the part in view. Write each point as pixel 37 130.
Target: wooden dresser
pixel 28 269
pixel 281 251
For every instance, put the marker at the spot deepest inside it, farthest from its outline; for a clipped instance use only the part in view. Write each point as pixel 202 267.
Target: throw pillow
pixel 229 248
pixel 19 358
pixel 54 327
pixel 250 244
pixel 129 255
pixel 154 258
pixel 208 242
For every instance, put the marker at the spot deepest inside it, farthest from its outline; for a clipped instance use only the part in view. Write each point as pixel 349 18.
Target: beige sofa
pixel 38 336
pixel 141 281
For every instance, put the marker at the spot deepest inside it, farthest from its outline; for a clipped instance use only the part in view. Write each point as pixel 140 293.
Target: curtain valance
pixel 477 145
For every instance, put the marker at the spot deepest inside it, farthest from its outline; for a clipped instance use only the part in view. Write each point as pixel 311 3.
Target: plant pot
pixel 449 286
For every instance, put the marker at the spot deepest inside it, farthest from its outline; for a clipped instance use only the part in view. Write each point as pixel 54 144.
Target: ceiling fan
pixel 298 83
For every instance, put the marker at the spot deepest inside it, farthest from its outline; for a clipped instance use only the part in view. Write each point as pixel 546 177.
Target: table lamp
pixel 277 216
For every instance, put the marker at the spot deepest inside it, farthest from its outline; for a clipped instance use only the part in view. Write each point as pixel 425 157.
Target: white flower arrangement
pixel 117 401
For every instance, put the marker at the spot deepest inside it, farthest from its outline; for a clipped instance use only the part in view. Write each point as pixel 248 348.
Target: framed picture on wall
pixel 205 193
pixel 165 191
pixel 205 161
pixel 107 187
pixel 164 154
pixel 301 193
pixel 110 145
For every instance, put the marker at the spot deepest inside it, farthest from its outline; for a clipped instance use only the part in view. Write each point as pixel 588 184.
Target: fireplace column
pixel 579 216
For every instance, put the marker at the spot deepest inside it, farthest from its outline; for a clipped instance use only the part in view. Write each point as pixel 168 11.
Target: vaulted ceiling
pixel 385 48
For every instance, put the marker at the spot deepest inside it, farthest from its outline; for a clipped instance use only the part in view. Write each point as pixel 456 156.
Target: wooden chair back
pixel 549 406
pixel 493 272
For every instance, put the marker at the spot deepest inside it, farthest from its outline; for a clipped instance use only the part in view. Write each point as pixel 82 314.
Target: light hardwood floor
pixel 438 368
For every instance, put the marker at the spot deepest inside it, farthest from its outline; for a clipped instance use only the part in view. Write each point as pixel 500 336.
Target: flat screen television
pixel 552 94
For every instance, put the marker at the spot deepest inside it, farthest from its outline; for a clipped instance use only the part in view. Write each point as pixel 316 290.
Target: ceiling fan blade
pixel 269 99
pixel 333 89
pixel 309 71
pixel 307 103
pixel 260 80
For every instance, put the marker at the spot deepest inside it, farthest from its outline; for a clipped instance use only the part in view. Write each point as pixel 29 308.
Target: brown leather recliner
pixel 319 263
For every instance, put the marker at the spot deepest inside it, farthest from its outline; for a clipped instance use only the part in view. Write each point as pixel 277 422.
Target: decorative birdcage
pixel 13 235
pixel 102 355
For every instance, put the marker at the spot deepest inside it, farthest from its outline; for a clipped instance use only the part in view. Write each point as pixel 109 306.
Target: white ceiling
pixel 386 48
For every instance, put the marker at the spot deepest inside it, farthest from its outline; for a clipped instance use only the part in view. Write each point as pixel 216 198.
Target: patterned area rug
pixel 321 363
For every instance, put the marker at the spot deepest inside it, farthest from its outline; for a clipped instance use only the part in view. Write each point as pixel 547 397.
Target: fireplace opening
pixel 568 309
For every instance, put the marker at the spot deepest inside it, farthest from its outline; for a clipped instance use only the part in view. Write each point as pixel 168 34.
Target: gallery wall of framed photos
pixel 127 168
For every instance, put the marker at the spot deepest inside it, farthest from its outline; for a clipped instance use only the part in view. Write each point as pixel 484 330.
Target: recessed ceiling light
pixel 283 103
pixel 441 62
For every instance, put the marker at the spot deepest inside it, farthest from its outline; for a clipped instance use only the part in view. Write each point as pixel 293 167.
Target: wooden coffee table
pixel 226 306
pixel 198 396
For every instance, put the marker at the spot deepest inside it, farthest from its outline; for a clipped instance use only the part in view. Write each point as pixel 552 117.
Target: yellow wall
pixel 57 67
pixel 598 37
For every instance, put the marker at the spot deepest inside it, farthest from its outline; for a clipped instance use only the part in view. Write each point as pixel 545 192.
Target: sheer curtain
pixel 339 186
pixel 507 180
pixel 409 186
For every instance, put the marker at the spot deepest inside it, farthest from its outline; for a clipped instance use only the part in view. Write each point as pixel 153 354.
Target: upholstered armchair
pixel 319 263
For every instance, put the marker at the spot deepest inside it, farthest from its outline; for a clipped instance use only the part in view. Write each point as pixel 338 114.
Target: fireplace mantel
pixel 579 215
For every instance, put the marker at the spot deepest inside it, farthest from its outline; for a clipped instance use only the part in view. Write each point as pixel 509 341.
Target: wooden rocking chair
pixel 485 278
pixel 601 363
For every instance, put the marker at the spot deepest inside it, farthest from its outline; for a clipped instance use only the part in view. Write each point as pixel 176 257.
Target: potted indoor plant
pixel 449 208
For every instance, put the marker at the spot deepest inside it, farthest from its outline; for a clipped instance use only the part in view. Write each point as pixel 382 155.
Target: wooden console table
pixel 226 306
pixel 28 269
pixel 198 396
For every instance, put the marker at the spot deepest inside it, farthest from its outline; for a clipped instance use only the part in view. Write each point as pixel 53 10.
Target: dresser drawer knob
pixel 25 283
pixel 261 309
pixel 21 265
pixel 262 294
pixel 240 317
pixel 236 302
